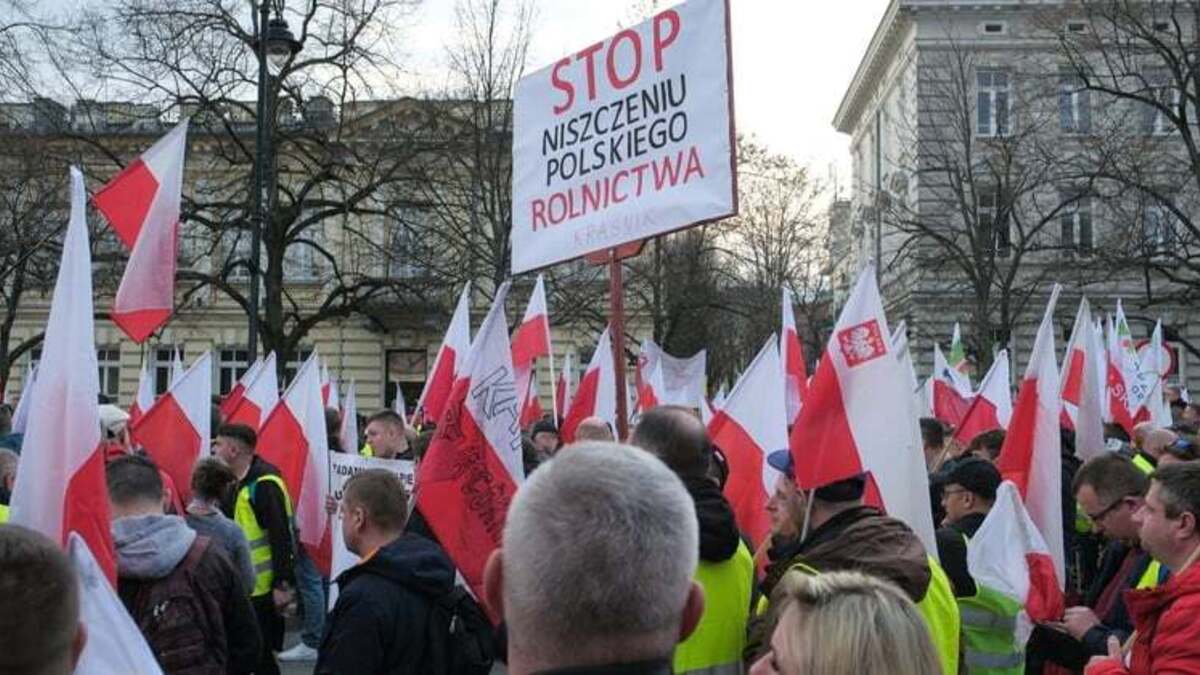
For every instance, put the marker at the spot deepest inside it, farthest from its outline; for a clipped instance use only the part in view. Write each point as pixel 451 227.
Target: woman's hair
pixel 848 623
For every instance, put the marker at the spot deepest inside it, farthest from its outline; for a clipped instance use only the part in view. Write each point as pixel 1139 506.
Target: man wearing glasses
pixel 1109 490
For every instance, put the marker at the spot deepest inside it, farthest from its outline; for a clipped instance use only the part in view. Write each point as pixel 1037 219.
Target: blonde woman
pixel 846 623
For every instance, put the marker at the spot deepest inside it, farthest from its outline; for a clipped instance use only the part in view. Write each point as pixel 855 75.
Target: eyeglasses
pixel 1098 517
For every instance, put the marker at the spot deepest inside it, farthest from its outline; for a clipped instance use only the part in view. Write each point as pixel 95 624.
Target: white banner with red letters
pixel 627 138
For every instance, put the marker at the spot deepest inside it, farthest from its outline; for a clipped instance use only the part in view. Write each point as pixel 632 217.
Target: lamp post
pixel 274 45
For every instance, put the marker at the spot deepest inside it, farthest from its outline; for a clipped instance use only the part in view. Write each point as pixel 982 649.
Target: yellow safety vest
pixel 717 643
pixel 367 450
pixel 3 513
pixel 260 547
pixel 938 608
pixel 1149 578
pixel 1143 463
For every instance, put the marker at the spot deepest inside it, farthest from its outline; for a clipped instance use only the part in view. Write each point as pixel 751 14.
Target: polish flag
pixel 562 389
pixel 532 410
pixel 959 364
pixel 142 205
pixel 398 404
pixel 294 439
pixel 114 643
pixel 949 404
pixel 792 354
pixel 445 367
pixel 751 425
pixel 1114 380
pixel 145 394
pixel 20 417
pixel 1008 555
pixel 348 434
pixel 238 392
pixel 684 378
pixel 1152 368
pixel 60 485
pixel 654 390
pixel 329 389
pixel 260 396
pixel 176 429
pixel 1082 390
pixel 992 407
pixel 856 402
pixel 1030 457
pixel 531 339
pixel 477 443
pixel 596 394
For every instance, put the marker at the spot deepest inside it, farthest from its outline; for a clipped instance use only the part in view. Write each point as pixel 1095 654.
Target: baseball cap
pixel 974 474
pixel 543 426
pixel 845 490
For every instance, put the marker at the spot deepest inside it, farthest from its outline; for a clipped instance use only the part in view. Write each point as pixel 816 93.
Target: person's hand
pixel 331 505
pixel 1079 620
pixel 1114 653
pixel 283 597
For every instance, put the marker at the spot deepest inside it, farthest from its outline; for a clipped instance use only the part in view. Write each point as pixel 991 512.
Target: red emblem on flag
pixel 861 343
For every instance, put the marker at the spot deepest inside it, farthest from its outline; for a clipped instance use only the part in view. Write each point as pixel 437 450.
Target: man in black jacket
pixel 968 490
pixel 381 621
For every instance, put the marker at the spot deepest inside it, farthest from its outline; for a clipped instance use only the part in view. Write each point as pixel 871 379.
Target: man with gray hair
pixel 612 533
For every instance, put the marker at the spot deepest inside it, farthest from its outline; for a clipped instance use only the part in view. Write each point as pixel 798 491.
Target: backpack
pixel 461 638
pixel 180 618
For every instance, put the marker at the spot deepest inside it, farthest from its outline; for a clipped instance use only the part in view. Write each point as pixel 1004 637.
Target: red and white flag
pixel 142 203
pixel 294 439
pixel 792 354
pixel 1083 395
pixel 949 404
pixel 562 389
pixel 532 410
pixel 235 395
pixel 177 428
pixel 992 407
pixel 1008 555
pixel 260 396
pixel 114 642
pixel 329 389
pixel 145 393
pixel 348 434
pixel 959 365
pixel 399 406
pixel 530 342
pixel 1118 406
pixel 751 425
pixel 857 400
pixel 684 379
pixel 1031 457
pixel 445 367
pixel 1153 365
pixel 596 395
pixel 477 443
pixel 20 418
pixel 60 484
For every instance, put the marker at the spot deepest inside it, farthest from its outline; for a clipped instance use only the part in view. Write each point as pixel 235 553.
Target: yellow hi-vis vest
pixel 989 627
pixel 1149 578
pixel 367 450
pixel 938 608
pixel 715 647
pixel 3 513
pixel 1142 462
pixel 260 547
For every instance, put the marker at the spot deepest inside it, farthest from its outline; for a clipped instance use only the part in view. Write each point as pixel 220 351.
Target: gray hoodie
pixel 149 547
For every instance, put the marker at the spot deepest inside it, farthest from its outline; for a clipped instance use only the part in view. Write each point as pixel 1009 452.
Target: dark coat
pixel 380 623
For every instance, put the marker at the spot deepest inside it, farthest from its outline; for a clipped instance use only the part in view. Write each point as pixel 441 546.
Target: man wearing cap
pixel 545 439
pixel 841 533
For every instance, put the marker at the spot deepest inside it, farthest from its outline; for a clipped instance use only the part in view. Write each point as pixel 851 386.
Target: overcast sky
pixel 793 60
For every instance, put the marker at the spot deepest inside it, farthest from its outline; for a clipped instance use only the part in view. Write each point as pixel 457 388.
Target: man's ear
pixel 1187 523
pixel 693 609
pixel 493 582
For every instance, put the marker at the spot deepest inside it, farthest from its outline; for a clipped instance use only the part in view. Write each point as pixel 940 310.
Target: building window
pixel 406 369
pixel 1158 229
pixel 1074 105
pixel 403 242
pixel 109 361
pixel 235 245
pixel 992 102
pixel 987 208
pixel 993 28
pixel 1076 225
pixel 1076 26
pixel 231 366
pixel 301 259
pixel 35 357
pixel 1161 90
pixel 164 364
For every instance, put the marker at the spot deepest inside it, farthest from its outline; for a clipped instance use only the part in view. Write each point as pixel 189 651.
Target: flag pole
pixel 616 298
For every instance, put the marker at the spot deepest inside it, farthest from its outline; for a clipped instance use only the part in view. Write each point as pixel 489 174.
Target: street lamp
pixel 275 46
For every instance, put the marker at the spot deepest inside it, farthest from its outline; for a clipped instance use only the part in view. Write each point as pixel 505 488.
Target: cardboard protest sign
pixel 343 466
pixel 627 138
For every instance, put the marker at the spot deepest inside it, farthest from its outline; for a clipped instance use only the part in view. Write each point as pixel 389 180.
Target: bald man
pixel 593 429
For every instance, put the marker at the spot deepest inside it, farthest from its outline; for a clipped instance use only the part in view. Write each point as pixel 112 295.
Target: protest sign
pixel 342 467
pixel 629 137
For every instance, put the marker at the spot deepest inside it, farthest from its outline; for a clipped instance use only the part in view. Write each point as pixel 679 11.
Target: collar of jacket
pixel 1156 600
pixel 656 667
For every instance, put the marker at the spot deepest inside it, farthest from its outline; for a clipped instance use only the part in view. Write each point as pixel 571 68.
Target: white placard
pixel 626 138
pixel 342 467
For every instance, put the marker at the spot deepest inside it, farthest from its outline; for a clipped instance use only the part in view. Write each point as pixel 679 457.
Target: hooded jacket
pixel 149 549
pixel 1168 635
pixel 719 536
pixel 381 619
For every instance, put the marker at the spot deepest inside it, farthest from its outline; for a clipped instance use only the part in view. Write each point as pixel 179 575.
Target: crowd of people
pixel 622 558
